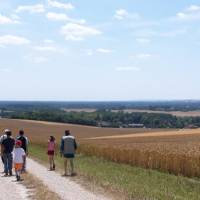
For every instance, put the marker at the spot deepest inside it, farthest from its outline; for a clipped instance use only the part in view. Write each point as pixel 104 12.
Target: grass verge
pixel 129 182
pixel 37 190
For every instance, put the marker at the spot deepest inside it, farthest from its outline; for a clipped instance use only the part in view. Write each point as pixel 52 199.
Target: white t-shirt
pixel 18 154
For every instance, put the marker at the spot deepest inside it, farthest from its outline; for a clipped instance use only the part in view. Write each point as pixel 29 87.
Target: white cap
pixel 6 131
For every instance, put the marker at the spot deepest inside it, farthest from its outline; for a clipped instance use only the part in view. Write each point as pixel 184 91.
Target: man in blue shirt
pixel 68 148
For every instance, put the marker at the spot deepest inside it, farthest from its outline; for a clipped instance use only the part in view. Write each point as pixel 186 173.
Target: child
pixel 19 158
pixel 51 152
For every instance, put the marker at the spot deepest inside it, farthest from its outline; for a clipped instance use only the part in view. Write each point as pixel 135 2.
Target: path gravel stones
pixel 67 189
pixel 10 189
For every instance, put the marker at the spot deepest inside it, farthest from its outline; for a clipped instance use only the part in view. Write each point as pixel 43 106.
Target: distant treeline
pixel 104 118
pixel 110 105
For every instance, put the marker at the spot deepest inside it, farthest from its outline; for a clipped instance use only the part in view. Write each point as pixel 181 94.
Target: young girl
pixel 19 158
pixel 51 152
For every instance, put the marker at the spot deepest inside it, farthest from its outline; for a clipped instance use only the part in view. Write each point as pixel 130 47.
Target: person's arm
pixel 13 144
pixel 2 149
pixel 75 145
pixel 55 148
pixel 61 147
pixel 27 142
pixel 24 159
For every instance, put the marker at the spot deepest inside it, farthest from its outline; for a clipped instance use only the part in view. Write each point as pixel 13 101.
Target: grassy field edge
pixel 130 182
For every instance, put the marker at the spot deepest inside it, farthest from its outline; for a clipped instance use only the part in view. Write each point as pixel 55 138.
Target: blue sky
pixel 99 50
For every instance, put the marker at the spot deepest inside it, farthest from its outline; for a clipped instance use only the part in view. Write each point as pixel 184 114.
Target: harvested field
pixel 175 113
pixel 89 110
pixel 174 151
pixel 152 134
pixel 39 131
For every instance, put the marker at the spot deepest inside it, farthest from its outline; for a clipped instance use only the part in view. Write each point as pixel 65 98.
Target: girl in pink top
pixel 51 152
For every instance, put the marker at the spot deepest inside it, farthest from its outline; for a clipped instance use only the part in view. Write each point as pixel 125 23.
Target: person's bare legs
pixel 50 162
pixel 72 165
pixel 24 165
pixel 65 166
pixel 53 163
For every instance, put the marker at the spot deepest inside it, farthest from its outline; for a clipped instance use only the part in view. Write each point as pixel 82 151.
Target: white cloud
pixel 37 8
pixel 105 51
pixel 121 14
pixel 89 52
pixel 63 17
pixel 57 4
pixel 52 49
pixel 193 8
pixel 13 40
pixel 143 56
pixel 48 41
pixel 191 13
pixel 57 16
pixel 8 20
pixel 127 69
pixel 77 32
pixel 143 41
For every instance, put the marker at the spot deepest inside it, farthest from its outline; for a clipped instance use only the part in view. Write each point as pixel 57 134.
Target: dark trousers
pixel 8 162
pixel 2 159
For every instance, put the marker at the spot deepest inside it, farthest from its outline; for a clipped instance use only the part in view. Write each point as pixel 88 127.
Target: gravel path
pixel 63 186
pixel 10 189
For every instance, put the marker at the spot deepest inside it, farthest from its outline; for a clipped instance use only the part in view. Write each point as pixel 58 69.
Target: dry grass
pixel 38 191
pixel 177 152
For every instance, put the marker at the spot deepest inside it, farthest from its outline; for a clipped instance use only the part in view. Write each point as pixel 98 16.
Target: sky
pixel 85 50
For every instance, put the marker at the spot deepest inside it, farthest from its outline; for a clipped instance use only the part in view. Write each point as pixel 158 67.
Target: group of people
pixel 15 151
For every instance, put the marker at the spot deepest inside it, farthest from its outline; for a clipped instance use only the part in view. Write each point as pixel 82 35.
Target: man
pixel 67 150
pixel 7 148
pixel 24 145
pixel 4 136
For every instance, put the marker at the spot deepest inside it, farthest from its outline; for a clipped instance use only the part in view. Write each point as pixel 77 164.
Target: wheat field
pixel 172 151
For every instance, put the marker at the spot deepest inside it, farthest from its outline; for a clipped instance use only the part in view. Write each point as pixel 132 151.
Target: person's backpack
pixel 24 142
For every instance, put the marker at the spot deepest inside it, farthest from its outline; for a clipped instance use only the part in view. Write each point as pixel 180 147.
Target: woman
pixel 51 152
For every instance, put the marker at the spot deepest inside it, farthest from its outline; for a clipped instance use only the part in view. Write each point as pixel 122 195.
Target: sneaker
pixel 18 178
pixel 23 171
pixel 6 174
pixel 50 169
pixel 73 174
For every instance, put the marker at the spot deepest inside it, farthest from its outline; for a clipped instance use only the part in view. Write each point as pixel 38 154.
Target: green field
pixel 129 182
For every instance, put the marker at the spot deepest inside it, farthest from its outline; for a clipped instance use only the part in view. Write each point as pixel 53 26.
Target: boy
pixel 19 158
pixel 24 145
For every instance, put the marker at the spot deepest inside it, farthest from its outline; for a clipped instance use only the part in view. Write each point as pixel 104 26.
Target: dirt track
pixel 10 189
pixel 65 187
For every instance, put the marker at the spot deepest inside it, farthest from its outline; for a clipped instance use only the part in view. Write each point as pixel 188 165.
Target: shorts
pixel 50 153
pixel 18 166
pixel 69 155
